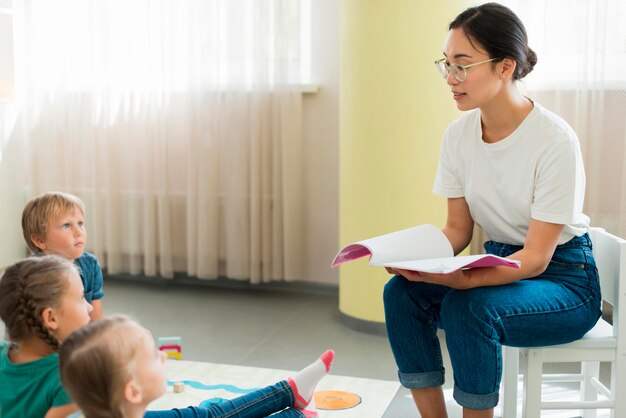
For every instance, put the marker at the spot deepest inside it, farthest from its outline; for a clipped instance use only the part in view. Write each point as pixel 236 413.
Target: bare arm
pixel 459 224
pixel 62 411
pixel 541 240
pixel 96 313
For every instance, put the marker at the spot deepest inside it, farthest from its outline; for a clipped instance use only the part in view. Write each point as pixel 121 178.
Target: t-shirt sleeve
pixel 448 182
pixel 559 184
pixel 98 291
pixel 91 274
pixel 60 396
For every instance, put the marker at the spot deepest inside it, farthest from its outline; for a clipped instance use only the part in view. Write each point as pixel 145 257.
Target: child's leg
pixel 257 404
pixel 298 392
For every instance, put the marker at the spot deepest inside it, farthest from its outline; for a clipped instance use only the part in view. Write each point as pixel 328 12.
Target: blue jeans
pixel 258 404
pixel 558 306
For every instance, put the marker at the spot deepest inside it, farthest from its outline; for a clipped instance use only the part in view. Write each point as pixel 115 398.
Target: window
pixel 165 45
pixel 579 43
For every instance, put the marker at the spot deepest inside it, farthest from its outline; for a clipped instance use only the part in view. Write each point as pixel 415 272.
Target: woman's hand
pixel 391 270
pixel 458 279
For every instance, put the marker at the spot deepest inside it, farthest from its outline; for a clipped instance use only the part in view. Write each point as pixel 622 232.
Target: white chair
pixel 604 343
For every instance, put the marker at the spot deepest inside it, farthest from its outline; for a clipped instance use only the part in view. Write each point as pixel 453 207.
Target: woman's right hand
pixel 391 270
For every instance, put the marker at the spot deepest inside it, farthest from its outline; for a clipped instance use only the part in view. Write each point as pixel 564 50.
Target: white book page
pixel 416 243
pixel 450 264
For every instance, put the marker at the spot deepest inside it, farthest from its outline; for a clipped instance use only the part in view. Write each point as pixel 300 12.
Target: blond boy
pixel 53 223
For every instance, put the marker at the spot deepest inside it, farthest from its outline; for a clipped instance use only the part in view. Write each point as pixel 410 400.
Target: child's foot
pixel 310 411
pixel 304 382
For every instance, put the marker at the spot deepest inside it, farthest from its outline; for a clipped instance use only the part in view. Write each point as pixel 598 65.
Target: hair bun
pixel 531 60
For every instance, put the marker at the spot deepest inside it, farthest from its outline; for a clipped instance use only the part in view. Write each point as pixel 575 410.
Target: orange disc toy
pixel 336 399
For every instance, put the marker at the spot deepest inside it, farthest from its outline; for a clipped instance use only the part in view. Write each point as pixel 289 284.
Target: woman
pixel 515 169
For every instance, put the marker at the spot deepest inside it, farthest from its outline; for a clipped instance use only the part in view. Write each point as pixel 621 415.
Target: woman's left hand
pixel 456 280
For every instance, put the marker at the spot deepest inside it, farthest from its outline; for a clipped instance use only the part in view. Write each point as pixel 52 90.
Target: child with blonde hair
pixel 53 223
pixel 112 368
pixel 41 302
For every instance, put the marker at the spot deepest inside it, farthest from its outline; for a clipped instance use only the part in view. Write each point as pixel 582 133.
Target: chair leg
pixel 532 385
pixel 509 381
pixel 589 370
pixel 618 386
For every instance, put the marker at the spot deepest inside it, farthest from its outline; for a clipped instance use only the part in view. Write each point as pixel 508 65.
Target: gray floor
pixel 257 327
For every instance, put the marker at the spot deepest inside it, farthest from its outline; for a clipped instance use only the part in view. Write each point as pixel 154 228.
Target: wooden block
pixel 171 347
pixel 179 387
pixel 174 354
pixel 169 340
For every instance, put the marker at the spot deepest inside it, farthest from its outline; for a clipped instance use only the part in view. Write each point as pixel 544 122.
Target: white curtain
pixel 178 122
pixel 581 76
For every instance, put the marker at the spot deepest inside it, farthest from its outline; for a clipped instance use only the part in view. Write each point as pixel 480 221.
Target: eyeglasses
pixel 458 71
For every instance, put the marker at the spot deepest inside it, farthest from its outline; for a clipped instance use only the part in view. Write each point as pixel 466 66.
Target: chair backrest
pixel 610 254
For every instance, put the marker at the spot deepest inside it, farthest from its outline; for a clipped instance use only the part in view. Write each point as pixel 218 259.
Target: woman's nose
pixel 451 80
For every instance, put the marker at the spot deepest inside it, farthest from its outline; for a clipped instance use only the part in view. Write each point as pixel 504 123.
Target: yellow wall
pixel 394 107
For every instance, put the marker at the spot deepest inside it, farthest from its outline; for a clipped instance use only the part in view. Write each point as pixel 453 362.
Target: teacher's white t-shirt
pixel 536 172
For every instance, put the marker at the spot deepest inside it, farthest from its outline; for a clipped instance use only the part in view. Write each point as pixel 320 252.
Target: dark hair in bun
pixel 500 32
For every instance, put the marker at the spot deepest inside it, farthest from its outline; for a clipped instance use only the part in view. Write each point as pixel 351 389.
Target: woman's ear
pixel 132 392
pixel 508 68
pixel 49 319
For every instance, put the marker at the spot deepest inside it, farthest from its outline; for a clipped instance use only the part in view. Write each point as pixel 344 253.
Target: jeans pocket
pixel 568 259
pixel 575 268
pixel 556 266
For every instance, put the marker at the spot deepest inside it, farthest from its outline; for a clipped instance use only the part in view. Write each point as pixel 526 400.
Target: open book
pixel 420 248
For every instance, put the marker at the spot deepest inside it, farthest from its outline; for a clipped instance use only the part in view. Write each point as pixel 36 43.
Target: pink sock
pixel 304 382
pixel 310 411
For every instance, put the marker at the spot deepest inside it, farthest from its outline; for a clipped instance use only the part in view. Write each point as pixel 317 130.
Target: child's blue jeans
pixel 257 404
pixel 556 307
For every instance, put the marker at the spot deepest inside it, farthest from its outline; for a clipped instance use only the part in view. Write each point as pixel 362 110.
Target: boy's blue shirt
pixel 91 275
